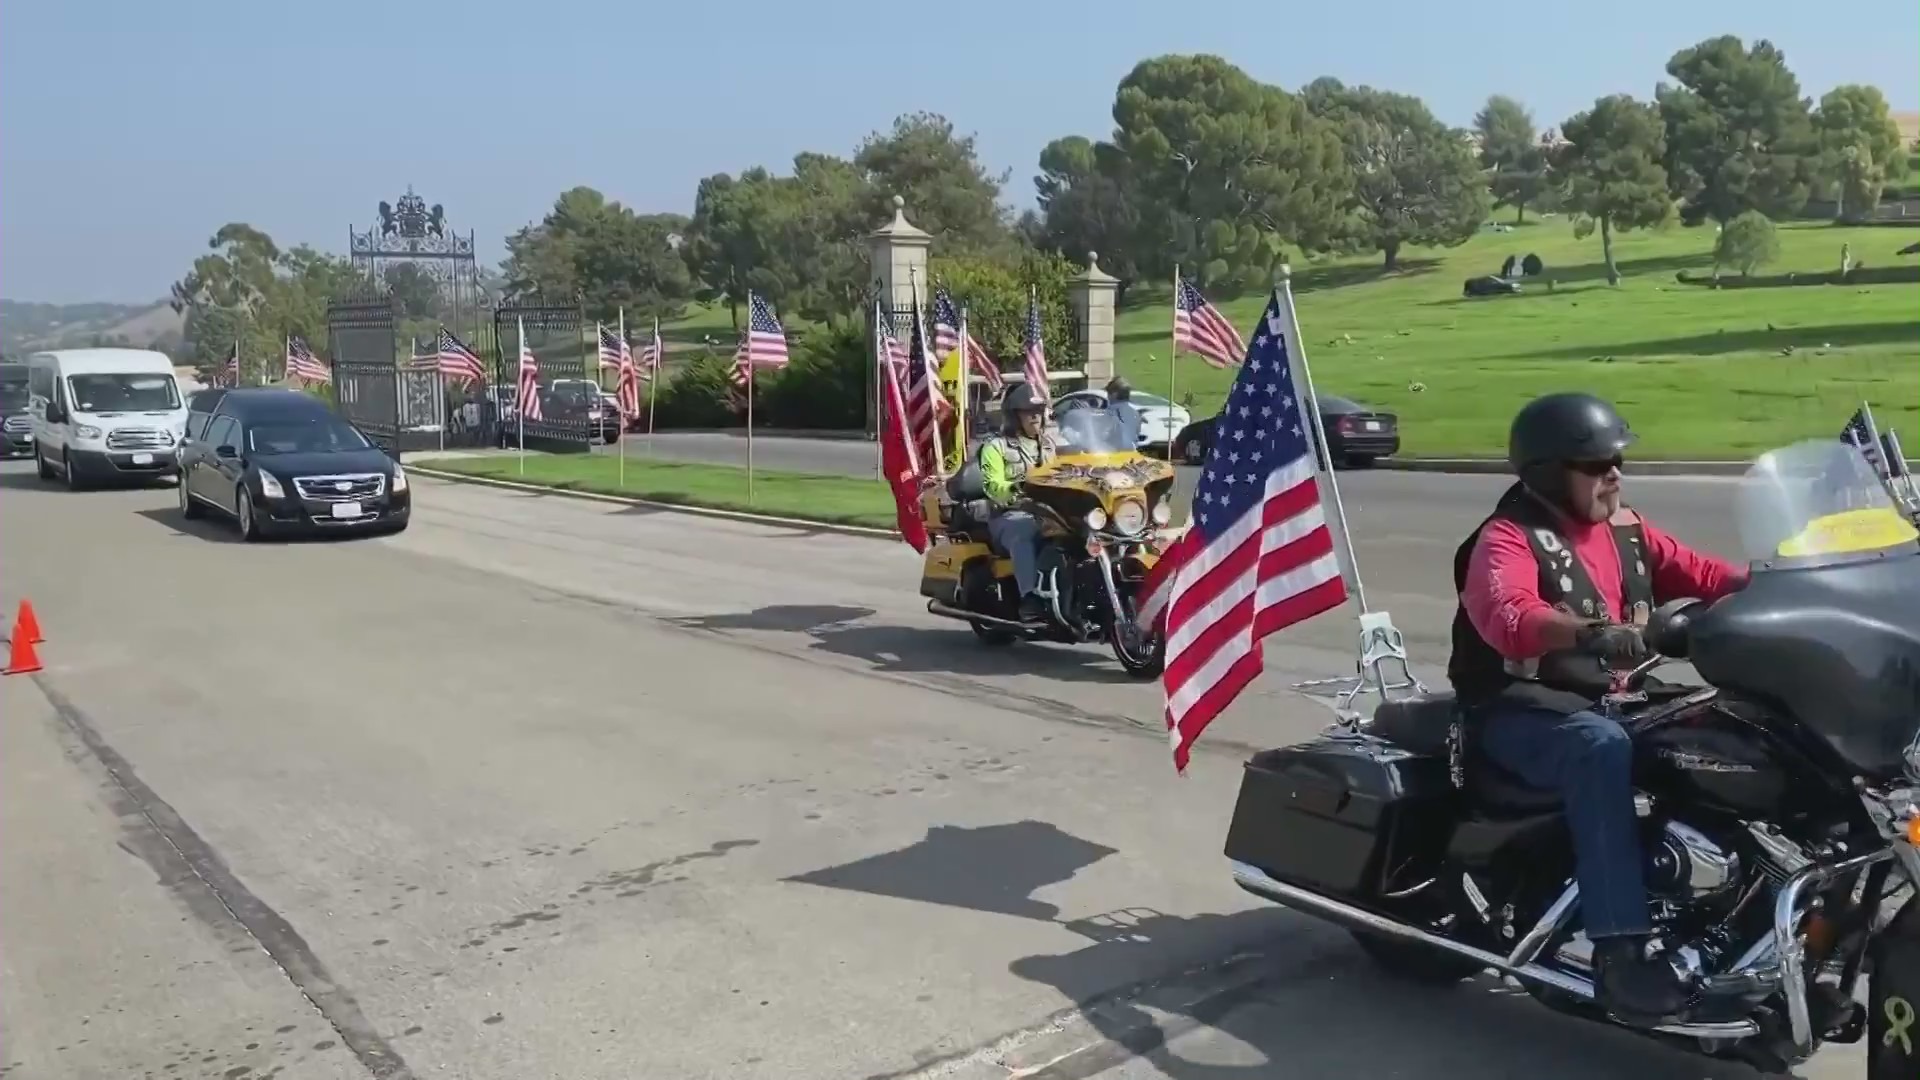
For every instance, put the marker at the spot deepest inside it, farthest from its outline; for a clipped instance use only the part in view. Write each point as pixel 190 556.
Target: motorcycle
pixel 1779 804
pixel 1101 505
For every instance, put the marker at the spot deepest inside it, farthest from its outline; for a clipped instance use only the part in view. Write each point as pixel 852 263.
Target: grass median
pixel 838 500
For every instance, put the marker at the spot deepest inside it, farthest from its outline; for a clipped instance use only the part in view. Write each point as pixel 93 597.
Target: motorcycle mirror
pixel 1667 627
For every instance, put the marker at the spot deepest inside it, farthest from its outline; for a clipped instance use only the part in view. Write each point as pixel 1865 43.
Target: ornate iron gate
pixel 569 370
pixel 362 337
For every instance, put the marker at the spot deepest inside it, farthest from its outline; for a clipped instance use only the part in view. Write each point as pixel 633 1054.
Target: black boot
pixel 1636 987
pixel 1033 608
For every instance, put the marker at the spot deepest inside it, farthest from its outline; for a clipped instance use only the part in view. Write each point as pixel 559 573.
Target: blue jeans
pixel 1018 534
pixel 1588 759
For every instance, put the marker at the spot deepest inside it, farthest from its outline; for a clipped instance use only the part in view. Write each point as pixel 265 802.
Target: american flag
pixel 455 360
pixel 627 387
pixel 763 345
pixel 614 349
pixel 896 357
pixel 927 407
pixel 1033 348
pixel 946 338
pixel 1259 556
pixel 1859 434
pixel 303 365
pixel 230 371
pixel 529 403
pixel 651 356
pixel 1198 327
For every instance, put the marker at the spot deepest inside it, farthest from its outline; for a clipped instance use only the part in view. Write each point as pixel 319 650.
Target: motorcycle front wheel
pixel 1141 655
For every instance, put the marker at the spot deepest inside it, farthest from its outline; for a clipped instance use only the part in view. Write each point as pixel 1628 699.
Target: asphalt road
pixel 551 788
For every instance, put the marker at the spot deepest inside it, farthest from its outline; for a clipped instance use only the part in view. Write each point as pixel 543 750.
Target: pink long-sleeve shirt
pixel 1502 596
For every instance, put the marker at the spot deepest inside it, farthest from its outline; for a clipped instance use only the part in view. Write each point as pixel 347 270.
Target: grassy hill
pixel 25 326
pixel 1700 373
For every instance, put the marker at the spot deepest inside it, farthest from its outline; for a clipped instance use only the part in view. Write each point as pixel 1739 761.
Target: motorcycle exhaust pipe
pixel 1259 883
pixel 946 610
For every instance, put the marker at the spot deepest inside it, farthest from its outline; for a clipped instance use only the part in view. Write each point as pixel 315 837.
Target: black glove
pixel 1619 644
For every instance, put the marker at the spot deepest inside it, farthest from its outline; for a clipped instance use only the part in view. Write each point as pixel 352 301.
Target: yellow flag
pixel 953 383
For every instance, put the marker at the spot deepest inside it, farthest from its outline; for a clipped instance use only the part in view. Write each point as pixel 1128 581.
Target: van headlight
pixel 399 478
pixel 87 431
pixel 270 486
pixel 1130 516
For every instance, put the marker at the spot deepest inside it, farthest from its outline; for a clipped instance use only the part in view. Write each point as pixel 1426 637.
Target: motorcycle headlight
pixel 1163 511
pixel 399 478
pixel 270 486
pixel 1130 516
pixel 1096 519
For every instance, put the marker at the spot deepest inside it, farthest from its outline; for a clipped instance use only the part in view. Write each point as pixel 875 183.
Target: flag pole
pixel 880 311
pixel 626 351
pixel 1298 355
pixel 939 463
pixel 746 357
pixel 519 384
pixel 653 382
pixel 1173 361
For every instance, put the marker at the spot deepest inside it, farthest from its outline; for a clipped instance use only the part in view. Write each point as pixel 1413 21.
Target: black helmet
pixel 1550 431
pixel 1022 397
pixel 1119 389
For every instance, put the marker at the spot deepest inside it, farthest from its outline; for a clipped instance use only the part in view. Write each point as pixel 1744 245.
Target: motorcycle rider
pixel 1023 443
pixel 1555 588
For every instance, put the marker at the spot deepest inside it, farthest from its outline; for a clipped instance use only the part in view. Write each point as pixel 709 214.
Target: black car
pixel 1358 435
pixel 14 396
pixel 280 462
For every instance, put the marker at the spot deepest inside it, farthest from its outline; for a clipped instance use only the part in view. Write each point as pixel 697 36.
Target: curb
pixel 656 504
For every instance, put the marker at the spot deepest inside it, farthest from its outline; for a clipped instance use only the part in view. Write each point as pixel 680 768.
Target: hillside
pixel 26 326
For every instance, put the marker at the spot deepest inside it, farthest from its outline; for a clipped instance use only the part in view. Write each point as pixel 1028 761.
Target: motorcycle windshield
pixel 1816 503
pixel 1091 431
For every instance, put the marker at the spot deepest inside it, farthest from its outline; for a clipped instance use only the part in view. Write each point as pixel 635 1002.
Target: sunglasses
pixel 1597 468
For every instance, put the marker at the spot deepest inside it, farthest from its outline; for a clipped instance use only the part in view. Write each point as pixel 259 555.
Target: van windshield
pixel 13 395
pixel 111 393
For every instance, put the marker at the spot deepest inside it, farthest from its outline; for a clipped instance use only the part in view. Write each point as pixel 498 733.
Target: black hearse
pixel 280 462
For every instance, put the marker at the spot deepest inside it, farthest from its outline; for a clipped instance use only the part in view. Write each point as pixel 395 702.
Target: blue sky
pixel 130 130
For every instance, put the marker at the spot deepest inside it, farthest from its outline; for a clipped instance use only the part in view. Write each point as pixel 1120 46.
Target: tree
pixel 817 243
pixel 994 293
pixel 1859 148
pixel 1610 164
pixel 729 244
pixel 1738 133
pixel 610 256
pixel 1512 154
pixel 947 190
pixel 1746 243
pixel 1085 206
pixel 248 289
pixel 1415 180
pixel 1223 171
pixel 415 290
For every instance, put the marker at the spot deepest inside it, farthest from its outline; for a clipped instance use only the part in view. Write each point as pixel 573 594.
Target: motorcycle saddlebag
pixel 1340 813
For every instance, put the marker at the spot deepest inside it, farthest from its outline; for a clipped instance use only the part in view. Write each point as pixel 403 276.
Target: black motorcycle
pixel 1779 804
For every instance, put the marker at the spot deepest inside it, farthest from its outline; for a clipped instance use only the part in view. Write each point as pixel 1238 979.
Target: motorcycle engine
pixel 1684 865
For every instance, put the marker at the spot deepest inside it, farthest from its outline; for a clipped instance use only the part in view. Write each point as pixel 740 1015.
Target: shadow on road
pixel 1303 1003
pixel 992 868
pixel 913 649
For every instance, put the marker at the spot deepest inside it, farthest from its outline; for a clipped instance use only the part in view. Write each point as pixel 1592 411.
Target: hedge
pixel 1861 275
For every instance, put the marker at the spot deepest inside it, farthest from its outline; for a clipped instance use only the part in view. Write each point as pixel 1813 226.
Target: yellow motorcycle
pixel 1101 505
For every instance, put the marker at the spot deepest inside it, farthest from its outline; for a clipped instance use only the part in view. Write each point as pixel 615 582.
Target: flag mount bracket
pixel 1381 671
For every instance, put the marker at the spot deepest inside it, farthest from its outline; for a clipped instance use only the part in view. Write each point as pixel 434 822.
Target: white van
pixel 105 414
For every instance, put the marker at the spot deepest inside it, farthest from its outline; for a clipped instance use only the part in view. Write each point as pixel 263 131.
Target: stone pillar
pixel 898 251
pixel 1092 293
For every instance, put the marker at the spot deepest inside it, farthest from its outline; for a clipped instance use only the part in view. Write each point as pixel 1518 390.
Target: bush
pixel 697 395
pixel 995 296
pixel 1859 275
pixel 825 387
pixel 1746 243
pixel 1532 266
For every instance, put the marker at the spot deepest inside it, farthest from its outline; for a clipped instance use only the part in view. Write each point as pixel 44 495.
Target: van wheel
pixel 40 463
pixel 74 483
pixel 1414 962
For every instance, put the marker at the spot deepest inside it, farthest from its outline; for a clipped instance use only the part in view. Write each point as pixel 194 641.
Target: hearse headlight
pixel 1096 519
pixel 399 478
pixel 1129 517
pixel 270 486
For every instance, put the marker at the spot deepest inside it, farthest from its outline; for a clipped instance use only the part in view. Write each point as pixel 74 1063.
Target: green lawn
pixel 1700 373
pixel 842 500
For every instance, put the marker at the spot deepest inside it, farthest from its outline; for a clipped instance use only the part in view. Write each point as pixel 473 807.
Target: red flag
pixel 897 457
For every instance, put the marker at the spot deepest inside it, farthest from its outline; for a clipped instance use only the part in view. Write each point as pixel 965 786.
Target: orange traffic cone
pixel 22 659
pixel 26 625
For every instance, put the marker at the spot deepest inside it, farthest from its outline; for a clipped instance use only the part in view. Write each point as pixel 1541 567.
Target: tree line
pixel 1206 169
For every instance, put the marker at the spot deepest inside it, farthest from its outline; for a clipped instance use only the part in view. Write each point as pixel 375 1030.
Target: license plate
pixel 143 459
pixel 1373 425
pixel 346 509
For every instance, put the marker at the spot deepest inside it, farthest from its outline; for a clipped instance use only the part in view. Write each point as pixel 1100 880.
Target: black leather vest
pixel 1565 681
